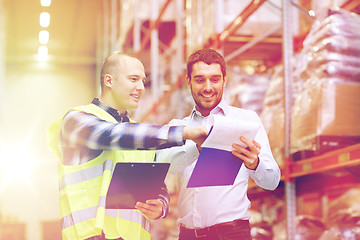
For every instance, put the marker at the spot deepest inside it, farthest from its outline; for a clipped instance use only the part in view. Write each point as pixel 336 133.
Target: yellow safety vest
pixel 83 190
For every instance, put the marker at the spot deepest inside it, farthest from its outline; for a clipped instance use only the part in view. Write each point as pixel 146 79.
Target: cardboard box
pixel 327 107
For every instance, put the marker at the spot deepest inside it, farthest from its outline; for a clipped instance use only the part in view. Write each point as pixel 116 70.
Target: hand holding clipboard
pixel 216 165
pixel 135 182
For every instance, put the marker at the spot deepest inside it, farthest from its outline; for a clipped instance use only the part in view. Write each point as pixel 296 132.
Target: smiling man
pixel 218 212
pixel 123 82
pixel 89 140
pixel 207 85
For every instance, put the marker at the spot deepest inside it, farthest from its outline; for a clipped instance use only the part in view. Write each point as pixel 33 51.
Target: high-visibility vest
pixel 83 190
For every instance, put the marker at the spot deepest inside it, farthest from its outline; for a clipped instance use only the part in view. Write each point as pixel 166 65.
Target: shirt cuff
pixel 175 135
pixel 165 209
pixel 260 170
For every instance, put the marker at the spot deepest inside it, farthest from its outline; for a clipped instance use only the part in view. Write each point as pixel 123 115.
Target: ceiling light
pixel 45 3
pixel 43 37
pixel 44 19
pixel 43 53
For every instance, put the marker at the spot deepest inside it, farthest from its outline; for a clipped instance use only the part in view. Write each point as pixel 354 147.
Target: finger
pixel 246 160
pixel 154 202
pixel 239 155
pixel 150 210
pixel 144 206
pixel 237 147
pixel 242 149
pixel 151 205
pixel 138 204
pixel 249 162
pixel 148 213
pixel 246 154
pixel 245 140
pixel 253 146
pixel 257 144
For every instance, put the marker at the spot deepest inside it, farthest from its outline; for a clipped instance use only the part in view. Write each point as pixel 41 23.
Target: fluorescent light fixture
pixel 44 19
pixel 45 3
pixel 43 53
pixel 43 37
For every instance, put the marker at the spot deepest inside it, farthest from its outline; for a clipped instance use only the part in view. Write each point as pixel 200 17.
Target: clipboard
pixel 216 165
pixel 135 182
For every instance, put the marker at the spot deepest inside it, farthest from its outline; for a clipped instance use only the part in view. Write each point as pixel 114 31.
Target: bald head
pixel 122 82
pixel 113 65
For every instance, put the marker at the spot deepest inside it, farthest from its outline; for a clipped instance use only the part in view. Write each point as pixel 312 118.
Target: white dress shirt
pixel 207 206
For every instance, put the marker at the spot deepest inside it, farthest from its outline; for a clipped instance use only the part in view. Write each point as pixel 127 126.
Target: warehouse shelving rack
pixel 336 160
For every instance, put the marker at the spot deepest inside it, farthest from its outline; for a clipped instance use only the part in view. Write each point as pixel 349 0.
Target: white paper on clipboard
pixel 227 131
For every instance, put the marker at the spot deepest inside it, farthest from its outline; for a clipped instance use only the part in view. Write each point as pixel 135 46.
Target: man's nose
pixel 207 85
pixel 140 86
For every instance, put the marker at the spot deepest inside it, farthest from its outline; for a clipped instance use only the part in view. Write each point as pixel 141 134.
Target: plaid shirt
pixel 84 136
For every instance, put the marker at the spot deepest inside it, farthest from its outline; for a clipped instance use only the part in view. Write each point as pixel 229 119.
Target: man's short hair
pixel 208 56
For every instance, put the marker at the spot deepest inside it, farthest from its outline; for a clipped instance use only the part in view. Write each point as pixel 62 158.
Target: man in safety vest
pixel 89 140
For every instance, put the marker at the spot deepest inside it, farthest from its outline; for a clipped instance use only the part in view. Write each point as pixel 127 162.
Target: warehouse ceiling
pixel 72 30
pixel 72 33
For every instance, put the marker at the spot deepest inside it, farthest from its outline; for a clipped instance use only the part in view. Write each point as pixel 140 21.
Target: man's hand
pixel 250 154
pixel 152 208
pixel 197 134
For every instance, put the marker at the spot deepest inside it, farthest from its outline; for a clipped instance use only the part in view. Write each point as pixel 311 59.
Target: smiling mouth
pixel 207 96
pixel 136 97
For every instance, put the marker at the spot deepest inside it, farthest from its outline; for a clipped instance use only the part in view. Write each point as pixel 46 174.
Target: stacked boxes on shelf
pixel 273 115
pixel 326 111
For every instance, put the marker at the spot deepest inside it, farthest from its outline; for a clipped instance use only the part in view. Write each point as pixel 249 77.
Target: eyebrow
pixel 211 76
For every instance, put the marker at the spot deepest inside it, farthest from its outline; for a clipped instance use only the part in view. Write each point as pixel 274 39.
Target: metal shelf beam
pixel 239 20
pixel 153 25
pixel 345 157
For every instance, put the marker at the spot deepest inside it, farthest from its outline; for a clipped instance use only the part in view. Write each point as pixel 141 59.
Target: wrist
pixel 254 165
pixel 185 133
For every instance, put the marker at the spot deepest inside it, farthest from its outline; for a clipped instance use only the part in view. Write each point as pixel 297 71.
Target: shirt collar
pixel 112 111
pixel 221 108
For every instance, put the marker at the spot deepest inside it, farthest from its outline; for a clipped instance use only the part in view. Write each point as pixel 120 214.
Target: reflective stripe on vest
pixel 89 173
pixel 88 213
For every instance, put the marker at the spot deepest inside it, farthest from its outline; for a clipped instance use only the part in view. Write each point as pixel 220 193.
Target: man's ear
pixel 188 81
pixel 108 80
pixel 225 81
